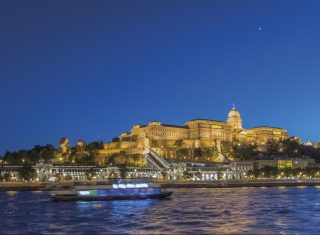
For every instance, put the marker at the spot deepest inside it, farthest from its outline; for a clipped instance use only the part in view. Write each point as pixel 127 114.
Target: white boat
pixel 118 191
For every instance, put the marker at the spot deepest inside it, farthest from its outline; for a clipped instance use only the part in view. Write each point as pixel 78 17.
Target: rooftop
pixel 256 127
pixel 203 119
pixel 176 126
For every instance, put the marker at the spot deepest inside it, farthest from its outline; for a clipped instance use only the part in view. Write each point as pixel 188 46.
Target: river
pixel 276 210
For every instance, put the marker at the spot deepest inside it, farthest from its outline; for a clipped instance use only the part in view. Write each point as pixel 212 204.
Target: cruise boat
pixel 118 191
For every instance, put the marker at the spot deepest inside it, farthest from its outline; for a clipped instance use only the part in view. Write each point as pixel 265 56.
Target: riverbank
pixel 37 186
pixel 22 186
pixel 241 183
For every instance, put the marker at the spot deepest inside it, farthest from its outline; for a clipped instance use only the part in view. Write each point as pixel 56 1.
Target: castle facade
pixel 197 133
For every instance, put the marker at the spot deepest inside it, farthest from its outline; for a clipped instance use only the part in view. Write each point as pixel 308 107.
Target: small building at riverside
pixel 176 171
pixel 282 162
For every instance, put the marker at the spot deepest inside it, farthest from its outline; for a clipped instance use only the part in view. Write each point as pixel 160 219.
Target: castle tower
pixel 234 120
pixel 64 145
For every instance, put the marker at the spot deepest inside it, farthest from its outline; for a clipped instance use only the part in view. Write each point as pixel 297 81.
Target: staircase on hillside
pixel 156 161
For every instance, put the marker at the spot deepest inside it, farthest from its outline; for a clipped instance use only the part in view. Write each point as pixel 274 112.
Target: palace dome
pixel 234 113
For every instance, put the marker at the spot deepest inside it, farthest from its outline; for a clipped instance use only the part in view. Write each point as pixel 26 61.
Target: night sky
pixel 92 69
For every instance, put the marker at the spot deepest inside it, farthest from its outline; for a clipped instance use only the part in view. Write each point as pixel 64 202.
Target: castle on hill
pixel 166 139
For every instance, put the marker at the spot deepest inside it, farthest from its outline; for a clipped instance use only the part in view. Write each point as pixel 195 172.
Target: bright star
pixel 260 28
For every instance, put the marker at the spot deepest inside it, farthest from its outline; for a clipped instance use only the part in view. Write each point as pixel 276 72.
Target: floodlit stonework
pixel 198 133
pixel 64 144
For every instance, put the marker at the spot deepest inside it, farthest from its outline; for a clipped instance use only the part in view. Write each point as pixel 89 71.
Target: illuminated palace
pixel 198 133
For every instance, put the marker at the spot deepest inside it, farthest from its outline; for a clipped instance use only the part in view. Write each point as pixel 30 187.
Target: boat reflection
pixel 116 207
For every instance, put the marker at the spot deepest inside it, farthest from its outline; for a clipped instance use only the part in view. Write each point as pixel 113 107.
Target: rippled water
pixel 190 211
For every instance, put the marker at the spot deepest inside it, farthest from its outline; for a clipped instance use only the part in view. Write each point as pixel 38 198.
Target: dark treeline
pixel 77 155
pixel 291 147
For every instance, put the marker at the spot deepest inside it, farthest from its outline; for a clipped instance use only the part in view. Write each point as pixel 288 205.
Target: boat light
pixel 130 185
pixel 142 185
pixel 84 193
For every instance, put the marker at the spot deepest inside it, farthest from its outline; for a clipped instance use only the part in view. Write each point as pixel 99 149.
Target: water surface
pixel 277 210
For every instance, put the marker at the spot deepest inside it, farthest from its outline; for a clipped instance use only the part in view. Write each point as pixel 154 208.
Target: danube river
pixel 189 211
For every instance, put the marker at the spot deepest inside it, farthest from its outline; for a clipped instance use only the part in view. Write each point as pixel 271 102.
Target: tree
pixel 291 146
pixel 47 154
pixel 57 177
pixel 272 147
pixel 197 153
pixel 181 153
pixel 154 143
pixel 113 174
pixel 86 160
pixel 68 177
pixel 198 175
pixel 26 172
pixel 287 172
pixel 244 152
pixel 9 158
pixel 186 175
pixel 7 177
pixel 90 174
pixel 178 143
pixel 219 175
pixel 94 146
pixel 14 158
pixel 122 159
pixel 226 148
pixel 211 153
pixel 163 175
pixel 253 173
pixel 38 153
pixel 270 172
pixel 123 172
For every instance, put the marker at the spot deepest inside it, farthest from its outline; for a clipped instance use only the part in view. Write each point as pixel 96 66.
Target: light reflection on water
pixel 204 211
pixel 301 187
pixel 12 193
pixel 35 192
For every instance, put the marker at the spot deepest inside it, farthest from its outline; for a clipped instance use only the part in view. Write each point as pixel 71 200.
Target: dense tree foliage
pixel 154 143
pixel 226 148
pixel 243 152
pixel 178 143
pixel 123 159
pixel 39 153
pixel 26 172
pixel 186 175
pixel 197 154
pixel 291 147
pixel 78 155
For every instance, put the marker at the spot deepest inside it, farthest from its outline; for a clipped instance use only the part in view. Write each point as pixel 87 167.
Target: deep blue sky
pixel 85 69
